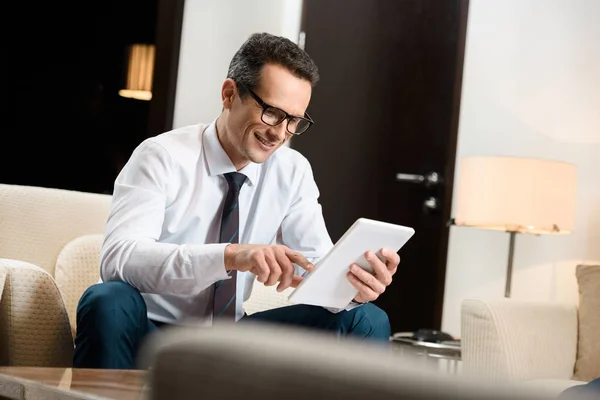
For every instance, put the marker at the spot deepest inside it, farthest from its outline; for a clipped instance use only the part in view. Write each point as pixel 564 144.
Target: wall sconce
pixel 140 70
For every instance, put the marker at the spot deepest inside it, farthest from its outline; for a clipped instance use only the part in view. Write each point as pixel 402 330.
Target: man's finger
pixel 287 271
pixel 367 279
pixel 393 271
pixel 274 270
pixel 296 280
pixel 300 260
pixel 379 267
pixel 260 267
pixel 392 258
pixel 365 292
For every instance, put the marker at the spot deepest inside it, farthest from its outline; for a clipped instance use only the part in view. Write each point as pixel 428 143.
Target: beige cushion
pixel 266 298
pixel 77 268
pixel 515 340
pixel 36 223
pixel 587 365
pixel 34 327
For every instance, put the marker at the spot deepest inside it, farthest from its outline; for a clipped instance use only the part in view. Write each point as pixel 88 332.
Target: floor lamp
pixel 516 195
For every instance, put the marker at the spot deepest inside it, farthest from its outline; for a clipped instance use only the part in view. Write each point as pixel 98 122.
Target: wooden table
pixel 21 383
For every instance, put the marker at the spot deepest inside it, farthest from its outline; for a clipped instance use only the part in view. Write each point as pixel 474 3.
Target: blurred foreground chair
pixel 266 362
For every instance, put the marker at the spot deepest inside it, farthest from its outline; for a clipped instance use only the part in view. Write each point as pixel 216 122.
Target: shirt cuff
pixel 352 305
pixel 208 263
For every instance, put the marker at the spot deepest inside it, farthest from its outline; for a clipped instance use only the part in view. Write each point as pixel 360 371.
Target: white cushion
pixel 37 222
pixel 266 298
pixel 515 340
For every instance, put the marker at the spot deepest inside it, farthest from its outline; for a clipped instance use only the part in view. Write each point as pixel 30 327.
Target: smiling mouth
pixel 262 140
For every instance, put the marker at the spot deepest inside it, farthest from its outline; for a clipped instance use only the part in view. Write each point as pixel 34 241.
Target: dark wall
pixel 66 122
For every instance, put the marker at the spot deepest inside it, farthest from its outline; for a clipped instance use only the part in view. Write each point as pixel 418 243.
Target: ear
pixel 228 93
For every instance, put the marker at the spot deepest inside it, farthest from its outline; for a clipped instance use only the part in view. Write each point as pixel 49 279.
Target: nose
pixel 278 132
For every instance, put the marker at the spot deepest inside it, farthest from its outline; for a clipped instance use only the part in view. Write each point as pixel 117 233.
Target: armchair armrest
pixel 34 326
pixel 513 340
pixel 77 268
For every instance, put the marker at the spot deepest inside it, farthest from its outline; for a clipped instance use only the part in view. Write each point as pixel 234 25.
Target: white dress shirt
pixel 163 227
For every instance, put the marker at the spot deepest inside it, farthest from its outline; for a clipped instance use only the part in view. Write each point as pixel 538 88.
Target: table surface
pixel 77 383
pixel 451 348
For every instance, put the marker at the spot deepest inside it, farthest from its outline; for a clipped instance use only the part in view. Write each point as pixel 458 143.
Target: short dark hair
pixel 264 48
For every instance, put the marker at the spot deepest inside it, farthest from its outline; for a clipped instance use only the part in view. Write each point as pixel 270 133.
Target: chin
pixel 257 154
pixel 259 157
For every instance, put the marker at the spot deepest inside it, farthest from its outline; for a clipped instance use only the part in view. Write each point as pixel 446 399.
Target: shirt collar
pixel 219 162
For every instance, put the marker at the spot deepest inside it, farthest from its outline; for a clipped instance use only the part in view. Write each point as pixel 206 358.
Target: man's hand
pixel 371 286
pixel 270 263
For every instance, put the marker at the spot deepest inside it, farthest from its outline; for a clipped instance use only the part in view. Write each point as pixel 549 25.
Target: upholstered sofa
pixel 550 345
pixel 49 254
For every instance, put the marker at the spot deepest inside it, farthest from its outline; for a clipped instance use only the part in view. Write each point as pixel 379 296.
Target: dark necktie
pixel 225 290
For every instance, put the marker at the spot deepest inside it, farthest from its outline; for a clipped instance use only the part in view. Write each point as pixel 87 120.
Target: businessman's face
pixel 248 121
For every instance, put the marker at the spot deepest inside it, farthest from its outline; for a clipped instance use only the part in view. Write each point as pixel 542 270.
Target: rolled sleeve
pixel 132 251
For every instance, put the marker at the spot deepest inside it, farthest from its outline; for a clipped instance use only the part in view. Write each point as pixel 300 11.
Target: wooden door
pixel 386 108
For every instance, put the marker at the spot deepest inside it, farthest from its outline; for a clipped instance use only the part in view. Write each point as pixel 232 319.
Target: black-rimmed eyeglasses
pixel 274 116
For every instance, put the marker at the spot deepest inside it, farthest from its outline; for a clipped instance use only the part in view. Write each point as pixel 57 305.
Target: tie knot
pixel 235 180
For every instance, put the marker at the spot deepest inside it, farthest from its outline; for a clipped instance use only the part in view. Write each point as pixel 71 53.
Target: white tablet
pixel 327 285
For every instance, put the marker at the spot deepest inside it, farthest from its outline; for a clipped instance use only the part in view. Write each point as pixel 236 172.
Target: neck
pixel 238 160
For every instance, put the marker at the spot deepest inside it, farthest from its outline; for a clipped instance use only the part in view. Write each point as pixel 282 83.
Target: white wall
pixel 531 88
pixel 212 32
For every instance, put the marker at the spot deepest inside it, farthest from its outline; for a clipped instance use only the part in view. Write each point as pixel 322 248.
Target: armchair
pixel 50 243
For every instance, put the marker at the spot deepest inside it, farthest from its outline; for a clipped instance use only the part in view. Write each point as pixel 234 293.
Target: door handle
pixel 431 204
pixel 430 179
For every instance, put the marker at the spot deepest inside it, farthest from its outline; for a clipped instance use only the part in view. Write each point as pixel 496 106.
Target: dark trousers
pixel 588 391
pixel 112 322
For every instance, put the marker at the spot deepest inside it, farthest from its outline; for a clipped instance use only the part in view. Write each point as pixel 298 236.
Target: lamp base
pixel 509 267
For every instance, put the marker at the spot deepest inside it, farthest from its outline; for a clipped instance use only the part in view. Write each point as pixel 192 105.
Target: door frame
pixel 164 84
pixel 463 12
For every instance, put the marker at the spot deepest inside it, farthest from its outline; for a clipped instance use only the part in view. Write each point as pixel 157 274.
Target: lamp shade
pixel 140 70
pixel 516 194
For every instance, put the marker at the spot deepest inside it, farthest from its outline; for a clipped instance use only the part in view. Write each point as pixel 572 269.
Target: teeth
pixel 263 141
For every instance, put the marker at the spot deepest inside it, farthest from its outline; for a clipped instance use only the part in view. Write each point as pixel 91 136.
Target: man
pixel 195 213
